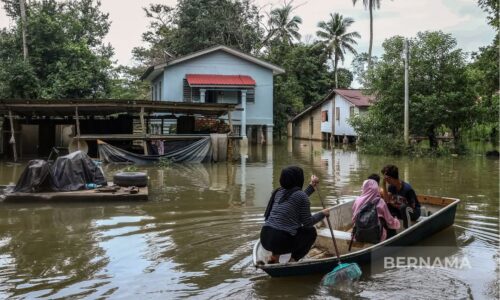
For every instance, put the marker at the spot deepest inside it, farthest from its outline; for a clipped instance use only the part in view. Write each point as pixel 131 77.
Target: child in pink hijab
pixel 371 192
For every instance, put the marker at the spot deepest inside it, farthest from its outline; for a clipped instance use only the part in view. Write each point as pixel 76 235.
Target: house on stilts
pixel 327 119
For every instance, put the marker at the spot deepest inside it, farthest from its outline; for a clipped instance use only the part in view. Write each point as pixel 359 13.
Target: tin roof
pixel 219 80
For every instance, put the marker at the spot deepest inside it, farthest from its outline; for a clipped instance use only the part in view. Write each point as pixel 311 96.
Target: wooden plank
pixel 78 196
pixel 433 200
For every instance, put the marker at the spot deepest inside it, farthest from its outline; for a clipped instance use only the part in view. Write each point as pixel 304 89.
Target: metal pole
pixel 407 110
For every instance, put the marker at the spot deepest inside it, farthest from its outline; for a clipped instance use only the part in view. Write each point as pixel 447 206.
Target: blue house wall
pixel 259 112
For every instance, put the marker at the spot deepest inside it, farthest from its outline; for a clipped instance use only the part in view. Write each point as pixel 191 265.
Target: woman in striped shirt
pixel 289 226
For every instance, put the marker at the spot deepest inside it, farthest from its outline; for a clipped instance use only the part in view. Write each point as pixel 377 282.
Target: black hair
pixel 391 171
pixel 374 177
pixel 291 177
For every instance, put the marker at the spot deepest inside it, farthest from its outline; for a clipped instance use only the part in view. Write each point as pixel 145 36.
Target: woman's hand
pixel 314 181
pixel 326 212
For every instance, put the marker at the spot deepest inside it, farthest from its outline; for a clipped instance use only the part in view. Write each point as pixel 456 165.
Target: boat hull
pixel 441 220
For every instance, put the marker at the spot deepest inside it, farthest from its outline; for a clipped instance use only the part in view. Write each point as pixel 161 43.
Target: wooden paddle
pixel 343 271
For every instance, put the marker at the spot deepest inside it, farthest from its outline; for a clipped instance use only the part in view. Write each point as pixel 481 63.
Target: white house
pixel 221 75
pixel 331 115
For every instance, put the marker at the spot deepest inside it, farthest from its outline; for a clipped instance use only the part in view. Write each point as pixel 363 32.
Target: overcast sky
pixel 463 18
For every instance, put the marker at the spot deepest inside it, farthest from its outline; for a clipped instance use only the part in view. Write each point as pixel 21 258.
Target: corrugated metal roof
pixel 225 80
pixel 356 97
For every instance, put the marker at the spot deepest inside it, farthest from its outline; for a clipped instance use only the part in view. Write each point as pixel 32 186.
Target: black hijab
pixel 292 177
pixel 291 180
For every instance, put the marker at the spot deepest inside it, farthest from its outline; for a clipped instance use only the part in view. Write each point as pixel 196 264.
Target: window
pixel 250 96
pixel 324 116
pixel 337 113
pixel 351 111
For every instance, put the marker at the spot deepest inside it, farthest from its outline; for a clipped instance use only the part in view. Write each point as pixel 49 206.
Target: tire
pixel 126 179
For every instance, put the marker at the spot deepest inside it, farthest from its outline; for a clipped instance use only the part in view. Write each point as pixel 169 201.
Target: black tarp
pixel 36 177
pixel 73 171
pixel 68 173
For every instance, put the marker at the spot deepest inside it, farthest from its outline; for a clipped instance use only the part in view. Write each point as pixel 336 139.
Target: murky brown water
pixel 194 238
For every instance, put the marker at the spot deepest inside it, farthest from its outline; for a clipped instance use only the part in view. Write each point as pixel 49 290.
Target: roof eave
pixel 275 69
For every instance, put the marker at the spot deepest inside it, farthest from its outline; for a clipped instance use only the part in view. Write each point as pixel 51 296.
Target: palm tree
pixel 282 26
pixel 335 39
pixel 370 5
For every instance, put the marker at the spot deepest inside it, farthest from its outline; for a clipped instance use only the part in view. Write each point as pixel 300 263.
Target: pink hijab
pixel 370 192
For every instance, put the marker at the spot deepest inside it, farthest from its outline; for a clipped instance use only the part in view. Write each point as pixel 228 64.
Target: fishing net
pixel 342 273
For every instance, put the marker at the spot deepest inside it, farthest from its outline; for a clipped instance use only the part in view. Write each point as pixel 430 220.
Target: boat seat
pixel 343 238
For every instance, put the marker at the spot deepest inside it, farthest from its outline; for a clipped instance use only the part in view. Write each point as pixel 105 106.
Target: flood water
pixel 194 238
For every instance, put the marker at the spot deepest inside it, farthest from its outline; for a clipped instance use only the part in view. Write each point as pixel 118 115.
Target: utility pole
pixel 407 109
pixel 23 26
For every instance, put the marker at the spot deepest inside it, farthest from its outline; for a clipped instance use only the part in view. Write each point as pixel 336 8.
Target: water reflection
pixel 194 237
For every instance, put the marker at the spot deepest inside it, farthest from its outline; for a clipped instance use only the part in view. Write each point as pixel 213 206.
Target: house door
pixel 211 97
pixel 29 140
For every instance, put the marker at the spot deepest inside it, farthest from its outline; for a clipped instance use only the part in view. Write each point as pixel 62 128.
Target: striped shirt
pixel 293 213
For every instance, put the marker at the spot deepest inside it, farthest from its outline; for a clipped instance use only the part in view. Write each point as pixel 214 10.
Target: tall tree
pixel 204 23
pixel 370 5
pixel 335 39
pixel 67 55
pixel 439 93
pixel 283 27
pixel 194 25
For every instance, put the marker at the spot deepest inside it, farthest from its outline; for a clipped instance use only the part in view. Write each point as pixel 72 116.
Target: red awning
pixel 219 80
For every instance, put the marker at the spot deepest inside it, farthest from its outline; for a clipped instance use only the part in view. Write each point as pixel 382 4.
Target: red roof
pixel 356 97
pixel 224 80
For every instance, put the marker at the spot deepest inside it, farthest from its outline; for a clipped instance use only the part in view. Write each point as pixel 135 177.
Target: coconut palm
pixel 370 5
pixel 283 26
pixel 335 39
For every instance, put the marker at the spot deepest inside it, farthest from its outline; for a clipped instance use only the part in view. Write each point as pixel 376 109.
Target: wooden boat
pixel 437 214
pixel 107 194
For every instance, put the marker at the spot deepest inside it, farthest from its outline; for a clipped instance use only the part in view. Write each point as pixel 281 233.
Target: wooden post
pixel 77 120
pixel 12 137
pixel 230 122
pixel 143 126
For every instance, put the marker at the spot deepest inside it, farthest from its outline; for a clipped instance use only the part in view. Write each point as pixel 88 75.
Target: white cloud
pixel 462 18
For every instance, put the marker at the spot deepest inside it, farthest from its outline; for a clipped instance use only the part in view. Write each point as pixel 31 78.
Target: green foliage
pixel 306 80
pixel 360 67
pixel 164 163
pixel 439 94
pixel 492 8
pixel 127 85
pixel 335 40
pixel 131 168
pixel 182 30
pixel 283 27
pixel 67 57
